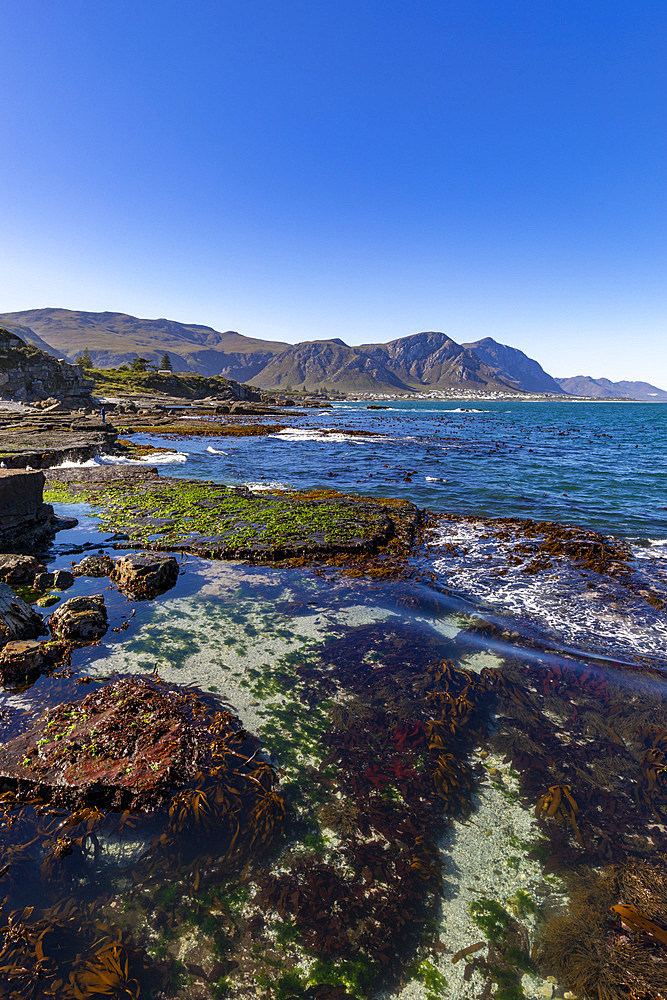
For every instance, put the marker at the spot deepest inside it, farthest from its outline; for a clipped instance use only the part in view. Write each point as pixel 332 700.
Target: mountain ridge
pixel 424 361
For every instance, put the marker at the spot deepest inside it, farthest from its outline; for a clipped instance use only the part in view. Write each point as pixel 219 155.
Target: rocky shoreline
pixel 309 852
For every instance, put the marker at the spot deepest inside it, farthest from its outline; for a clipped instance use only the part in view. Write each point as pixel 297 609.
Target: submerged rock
pixel 80 620
pixel 143 575
pixel 132 745
pixel 94 566
pixel 21 661
pixel 17 619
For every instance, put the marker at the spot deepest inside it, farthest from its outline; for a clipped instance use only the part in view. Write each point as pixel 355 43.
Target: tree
pixel 166 362
pixel 84 360
pixel 139 364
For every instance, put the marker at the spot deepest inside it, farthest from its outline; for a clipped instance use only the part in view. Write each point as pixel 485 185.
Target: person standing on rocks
pixel 103 414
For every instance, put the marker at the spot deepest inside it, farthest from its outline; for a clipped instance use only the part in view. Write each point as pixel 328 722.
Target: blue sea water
pixel 600 465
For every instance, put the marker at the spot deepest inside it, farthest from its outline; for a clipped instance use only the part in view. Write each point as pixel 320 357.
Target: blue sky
pixel 300 170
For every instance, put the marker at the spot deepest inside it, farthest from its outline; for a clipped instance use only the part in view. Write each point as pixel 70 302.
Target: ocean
pixel 603 465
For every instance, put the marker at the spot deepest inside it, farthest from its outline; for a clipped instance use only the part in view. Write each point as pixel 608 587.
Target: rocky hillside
pixel 113 339
pixel 327 364
pixel 435 360
pixel 426 360
pixel 514 366
pixel 28 373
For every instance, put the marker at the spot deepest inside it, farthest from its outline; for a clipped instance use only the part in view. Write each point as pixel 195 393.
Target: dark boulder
pixel 62 579
pixel 21 661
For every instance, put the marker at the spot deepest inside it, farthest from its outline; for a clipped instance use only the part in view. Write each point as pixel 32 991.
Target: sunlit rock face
pixel 27 373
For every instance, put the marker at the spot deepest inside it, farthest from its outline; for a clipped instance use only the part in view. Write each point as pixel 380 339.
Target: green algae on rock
pixel 225 523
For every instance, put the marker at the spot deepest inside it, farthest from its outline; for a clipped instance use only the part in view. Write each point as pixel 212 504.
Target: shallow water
pixel 542 686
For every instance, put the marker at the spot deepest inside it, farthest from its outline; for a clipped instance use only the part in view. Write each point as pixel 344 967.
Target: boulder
pixel 80 620
pixel 62 579
pixel 17 619
pixel 18 569
pixel 21 661
pixel 145 574
pixel 93 566
pixel 96 752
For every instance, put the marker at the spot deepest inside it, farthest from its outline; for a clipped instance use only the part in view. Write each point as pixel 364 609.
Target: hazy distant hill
pixel 115 338
pixel 602 388
pixel 515 366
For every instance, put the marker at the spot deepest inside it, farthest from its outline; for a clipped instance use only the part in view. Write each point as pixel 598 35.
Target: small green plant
pixel 491 918
pixel 434 981
pixel 522 903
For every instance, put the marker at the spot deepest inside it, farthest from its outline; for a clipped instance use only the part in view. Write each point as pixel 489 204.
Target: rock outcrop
pixel 26 522
pixel 28 373
pixel 17 619
pixel 143 575
pixel 80 620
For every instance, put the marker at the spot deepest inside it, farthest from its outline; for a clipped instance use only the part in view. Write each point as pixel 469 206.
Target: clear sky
pixel 299 169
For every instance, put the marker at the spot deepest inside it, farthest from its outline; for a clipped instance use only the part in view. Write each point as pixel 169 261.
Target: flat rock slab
pixel 80 620
pixel 144 575
pixel 127 745
pixel 17 619
pixel 219 522
pixel 102 474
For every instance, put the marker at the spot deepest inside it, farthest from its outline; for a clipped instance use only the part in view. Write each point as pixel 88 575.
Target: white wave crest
pixel 159 458
pixel 258 487
pixel 574 605
pixel 294 434
pixel 216 451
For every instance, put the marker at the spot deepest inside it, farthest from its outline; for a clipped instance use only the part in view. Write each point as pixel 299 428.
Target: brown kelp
pixel 179 762
pixel 611 942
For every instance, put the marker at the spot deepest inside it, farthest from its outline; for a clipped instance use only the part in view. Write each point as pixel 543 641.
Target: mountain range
pixel 417 363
